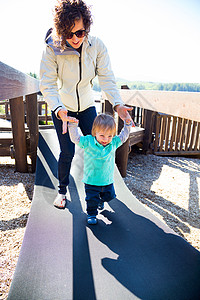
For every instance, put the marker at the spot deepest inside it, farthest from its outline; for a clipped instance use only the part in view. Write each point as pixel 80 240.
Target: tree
pixel 34 75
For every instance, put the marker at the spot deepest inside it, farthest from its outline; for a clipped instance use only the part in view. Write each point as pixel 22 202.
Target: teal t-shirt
pixel 99 161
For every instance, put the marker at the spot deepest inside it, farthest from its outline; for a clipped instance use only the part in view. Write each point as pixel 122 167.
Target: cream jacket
pixel 66 77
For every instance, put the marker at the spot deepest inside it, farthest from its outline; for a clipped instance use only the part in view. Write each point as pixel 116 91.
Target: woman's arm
pixel 48 80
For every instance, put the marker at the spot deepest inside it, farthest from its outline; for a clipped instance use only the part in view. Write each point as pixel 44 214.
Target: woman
pixel 71 60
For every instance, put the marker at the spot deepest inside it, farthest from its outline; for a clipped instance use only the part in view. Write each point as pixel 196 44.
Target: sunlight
pixel 176 181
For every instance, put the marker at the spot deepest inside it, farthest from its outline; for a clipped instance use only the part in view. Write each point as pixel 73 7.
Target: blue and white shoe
pixel 92 220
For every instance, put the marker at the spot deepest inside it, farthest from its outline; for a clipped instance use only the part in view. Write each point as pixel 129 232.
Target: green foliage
pixel 34 75
pixel 142 85
pixel 185 87
pixel 2 110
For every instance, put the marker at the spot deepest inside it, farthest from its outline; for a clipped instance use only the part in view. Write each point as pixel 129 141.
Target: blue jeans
pixel 95 194
pixel 67 148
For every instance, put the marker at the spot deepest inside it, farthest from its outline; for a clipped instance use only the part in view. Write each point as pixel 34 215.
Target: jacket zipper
pixel 80 70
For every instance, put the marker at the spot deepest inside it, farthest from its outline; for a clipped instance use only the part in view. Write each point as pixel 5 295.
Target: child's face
pixel 104 137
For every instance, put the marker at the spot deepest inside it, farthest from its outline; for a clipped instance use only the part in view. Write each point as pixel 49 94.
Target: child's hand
pixel 69 119
pixel 129 122
pixel 72 120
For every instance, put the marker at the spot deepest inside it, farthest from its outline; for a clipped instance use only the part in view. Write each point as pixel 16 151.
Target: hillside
pixel 143 85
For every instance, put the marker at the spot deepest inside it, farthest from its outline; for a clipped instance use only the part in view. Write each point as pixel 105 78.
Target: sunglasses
pixel 78 33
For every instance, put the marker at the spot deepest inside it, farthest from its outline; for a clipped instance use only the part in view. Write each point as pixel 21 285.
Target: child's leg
pixel 107 193
pixel 92 198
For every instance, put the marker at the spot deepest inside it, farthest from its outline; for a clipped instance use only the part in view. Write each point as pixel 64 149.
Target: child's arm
pixel 124 134
pixel 64 124
pixel 73 132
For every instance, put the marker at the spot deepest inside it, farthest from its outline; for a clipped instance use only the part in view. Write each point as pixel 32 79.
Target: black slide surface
pixel 129 254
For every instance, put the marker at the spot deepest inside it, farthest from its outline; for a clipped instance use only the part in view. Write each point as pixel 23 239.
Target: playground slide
pixel 129 254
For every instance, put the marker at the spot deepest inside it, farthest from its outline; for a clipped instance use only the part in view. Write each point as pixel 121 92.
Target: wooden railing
pixel 171 122
pixel 16 86
pixel 44 115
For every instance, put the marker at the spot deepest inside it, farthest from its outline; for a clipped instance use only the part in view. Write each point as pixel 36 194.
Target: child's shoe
pixel 101 205
pixel 92 220
pixel 60 201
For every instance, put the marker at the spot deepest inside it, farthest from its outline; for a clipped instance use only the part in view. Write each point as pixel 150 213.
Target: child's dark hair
pixel 104 122
pixel 66 12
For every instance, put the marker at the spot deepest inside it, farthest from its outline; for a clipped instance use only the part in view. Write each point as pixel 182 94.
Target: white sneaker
pixel 60 201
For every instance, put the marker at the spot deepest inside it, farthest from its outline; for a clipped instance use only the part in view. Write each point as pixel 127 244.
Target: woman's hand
pixel 122 111
pixel 62 113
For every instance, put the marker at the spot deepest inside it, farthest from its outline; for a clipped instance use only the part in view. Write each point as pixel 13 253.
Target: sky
pixel 147 40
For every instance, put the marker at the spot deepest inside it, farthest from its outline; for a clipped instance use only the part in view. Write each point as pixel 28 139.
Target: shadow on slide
pixel 151 264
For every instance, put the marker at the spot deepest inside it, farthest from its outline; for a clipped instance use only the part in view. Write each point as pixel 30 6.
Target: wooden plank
pixel 108 107
pixel 172 140
pixel 136 135
pixel 156 142
pixel 178 153
pixel 46 127
pixel 182 140
pixel 148 125
pixel 5 150
pixel 194 125
pixel 14 83
pixel 196 146
pixel 167 133
pixel 134 114
pixel 18 130
pixel 122 158
pixel 44 118
pixel 178 133
pixel 181 104
pixel 46 112
pixel 5 117
pixel 189 124
pixel 5 141
pixel 163 131
pixel 32 120
pixel 138 115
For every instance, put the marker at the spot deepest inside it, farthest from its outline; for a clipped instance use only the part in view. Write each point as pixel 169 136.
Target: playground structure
pixel 16 86
pixel 130 254
pixel 167 123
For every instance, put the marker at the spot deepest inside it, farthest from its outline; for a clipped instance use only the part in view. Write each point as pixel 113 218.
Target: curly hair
pixel 66 12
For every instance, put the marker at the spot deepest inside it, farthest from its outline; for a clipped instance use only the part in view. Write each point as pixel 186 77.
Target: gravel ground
pixel 16 191
pixel 169 187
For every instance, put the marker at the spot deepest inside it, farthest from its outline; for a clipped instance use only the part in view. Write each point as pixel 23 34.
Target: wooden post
pixel 149 126
pixel 46 112
pixel 122 152
pixel 6 110
pixel 18 130
pixel 108 107
pixel 32 121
